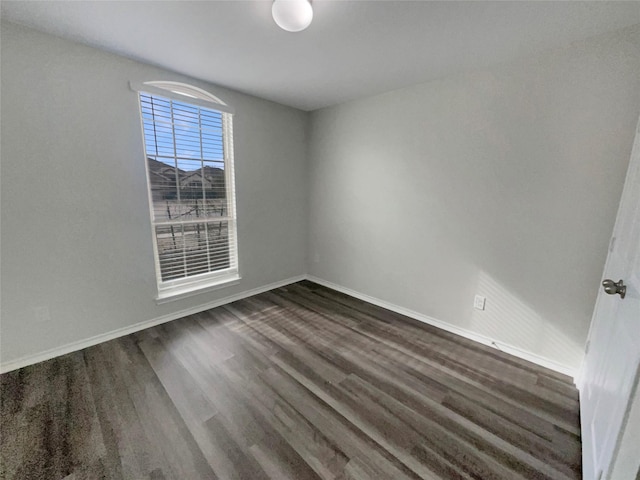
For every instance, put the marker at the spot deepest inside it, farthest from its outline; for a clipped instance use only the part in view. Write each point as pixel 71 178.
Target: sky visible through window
pixel 181 135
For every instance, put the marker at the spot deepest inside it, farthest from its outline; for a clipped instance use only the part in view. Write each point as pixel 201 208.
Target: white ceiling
pixel 352 49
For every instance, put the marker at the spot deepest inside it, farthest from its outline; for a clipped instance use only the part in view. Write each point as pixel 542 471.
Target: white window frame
pixel 191 285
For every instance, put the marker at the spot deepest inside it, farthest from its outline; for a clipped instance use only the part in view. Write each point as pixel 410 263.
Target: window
pixel 189 158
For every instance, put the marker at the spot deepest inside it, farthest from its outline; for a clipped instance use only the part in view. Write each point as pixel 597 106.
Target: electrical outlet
pixel 478 302
pixel 41 314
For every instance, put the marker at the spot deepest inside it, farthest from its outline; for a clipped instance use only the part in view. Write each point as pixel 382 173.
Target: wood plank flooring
pixel 299 383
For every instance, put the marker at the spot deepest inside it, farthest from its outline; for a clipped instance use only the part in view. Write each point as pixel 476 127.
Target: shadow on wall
pixel 508 319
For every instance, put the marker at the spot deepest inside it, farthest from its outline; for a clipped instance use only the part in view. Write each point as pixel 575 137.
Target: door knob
pixel 612 287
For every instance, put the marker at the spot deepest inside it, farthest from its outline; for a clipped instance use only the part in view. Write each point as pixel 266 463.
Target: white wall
pixel 76 235
pixel 504 182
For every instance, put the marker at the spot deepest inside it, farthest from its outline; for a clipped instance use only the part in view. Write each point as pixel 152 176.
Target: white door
pixel 612 363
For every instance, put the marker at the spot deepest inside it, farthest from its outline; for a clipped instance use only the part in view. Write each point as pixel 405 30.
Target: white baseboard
pixel 515 351
pixel 79 345
pixel 120 332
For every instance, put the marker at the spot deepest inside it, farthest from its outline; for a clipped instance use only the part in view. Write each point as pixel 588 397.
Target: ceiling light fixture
pixel 292 15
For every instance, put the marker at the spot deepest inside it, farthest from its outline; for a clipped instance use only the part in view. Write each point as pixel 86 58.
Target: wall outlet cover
pixel 478 302
pixel 41 314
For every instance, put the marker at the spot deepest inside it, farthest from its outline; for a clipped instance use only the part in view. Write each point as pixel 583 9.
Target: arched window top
pixel 184 92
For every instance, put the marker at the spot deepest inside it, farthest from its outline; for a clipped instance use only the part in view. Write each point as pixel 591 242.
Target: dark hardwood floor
pixel 301 382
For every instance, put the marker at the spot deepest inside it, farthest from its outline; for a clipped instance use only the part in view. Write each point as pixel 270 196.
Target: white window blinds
pixel 191 188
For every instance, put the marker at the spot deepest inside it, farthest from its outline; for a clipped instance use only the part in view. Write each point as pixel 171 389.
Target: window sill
pixel 178 293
